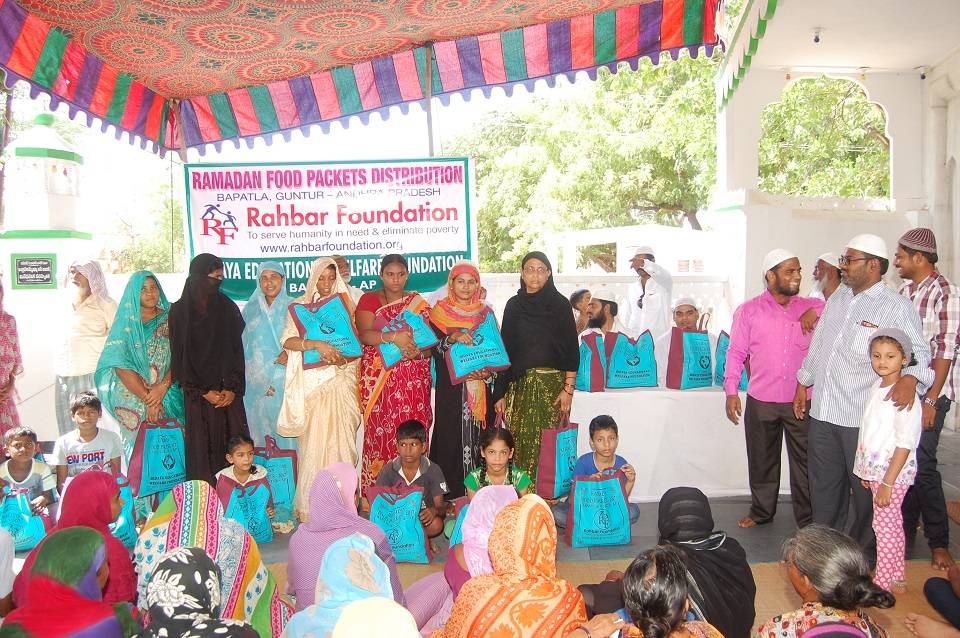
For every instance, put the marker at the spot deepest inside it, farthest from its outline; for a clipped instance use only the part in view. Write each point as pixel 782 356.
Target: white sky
pixel 121 180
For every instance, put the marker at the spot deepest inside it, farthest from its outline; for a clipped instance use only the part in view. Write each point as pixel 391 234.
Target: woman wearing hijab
pixel 460 409
pixel 541 339
pixel 183 599
pixel 350 571
pixel 11 365
pixel 64 598
pixel 388 397
pixel 206 346
pixel 133 374
pixel 92 500
pixel 191 516
pixel 523 596
pixel 320 405
pixel 88 320
pixel 431 598
pixel 376 616
pixel 722 589
pixel 333 515
pixel 265 315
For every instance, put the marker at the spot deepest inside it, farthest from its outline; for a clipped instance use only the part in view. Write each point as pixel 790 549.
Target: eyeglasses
pixel 540 270
pixel 640 301
pixel 846 261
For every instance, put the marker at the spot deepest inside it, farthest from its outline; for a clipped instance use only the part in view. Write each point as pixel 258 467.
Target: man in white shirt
pixel 826 276
pixel 686 316
pixel 87 325
pixel 602 315
pixel 648 299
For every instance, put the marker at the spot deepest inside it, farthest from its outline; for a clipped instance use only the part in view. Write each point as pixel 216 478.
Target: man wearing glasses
pixel 838 364
pixel 648 299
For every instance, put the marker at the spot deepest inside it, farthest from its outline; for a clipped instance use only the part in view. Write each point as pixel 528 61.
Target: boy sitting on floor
pixel 87 446
pixel 604 438
pixel 414 469
pixel 23 472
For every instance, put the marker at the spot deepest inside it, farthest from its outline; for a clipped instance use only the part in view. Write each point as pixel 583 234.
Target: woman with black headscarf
pixel 206 347
pixel 722 588
pixel 541 339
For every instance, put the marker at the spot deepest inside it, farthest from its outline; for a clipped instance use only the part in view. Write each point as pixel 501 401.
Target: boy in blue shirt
pixel 604 438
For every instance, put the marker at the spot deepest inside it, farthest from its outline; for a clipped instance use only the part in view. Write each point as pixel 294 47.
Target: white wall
pixel 811 227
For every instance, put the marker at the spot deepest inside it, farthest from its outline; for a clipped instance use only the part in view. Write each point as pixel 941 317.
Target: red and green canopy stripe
pixel 46 57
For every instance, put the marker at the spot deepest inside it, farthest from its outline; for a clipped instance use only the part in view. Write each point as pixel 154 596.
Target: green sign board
pixel 36 271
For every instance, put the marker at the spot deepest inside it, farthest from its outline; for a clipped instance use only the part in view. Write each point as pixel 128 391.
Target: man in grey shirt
pixel 838 365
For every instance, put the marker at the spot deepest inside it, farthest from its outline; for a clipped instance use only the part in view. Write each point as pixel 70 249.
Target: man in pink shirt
pixel 774 330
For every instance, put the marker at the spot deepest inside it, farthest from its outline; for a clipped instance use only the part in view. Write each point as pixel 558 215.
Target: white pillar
pixel 739 129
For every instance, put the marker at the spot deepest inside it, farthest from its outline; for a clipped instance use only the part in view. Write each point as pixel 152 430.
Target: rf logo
pixel 219 223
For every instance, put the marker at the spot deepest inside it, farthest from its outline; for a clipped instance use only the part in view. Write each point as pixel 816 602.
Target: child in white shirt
pixel 886 457
pixel 88 446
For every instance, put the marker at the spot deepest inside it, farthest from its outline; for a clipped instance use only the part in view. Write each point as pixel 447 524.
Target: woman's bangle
pixel 568 392
pixel 303 344
pixel 886 484
pixel 585 630
pixel 381 338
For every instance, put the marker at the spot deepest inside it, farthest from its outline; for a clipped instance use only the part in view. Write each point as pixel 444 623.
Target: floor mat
pixel 774 593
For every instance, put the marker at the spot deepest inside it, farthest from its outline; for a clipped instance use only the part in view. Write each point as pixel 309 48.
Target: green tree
pixel 824 138
pixel 160 246
pixel 635 146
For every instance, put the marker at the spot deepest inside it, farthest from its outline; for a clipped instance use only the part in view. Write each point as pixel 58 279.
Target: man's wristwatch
pixel 931 402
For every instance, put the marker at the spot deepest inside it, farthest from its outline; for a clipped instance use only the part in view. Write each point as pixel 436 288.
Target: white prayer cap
pixel 832 259
pixel 640 250
pixel 774 258
pixel 869 244
pixel 685 301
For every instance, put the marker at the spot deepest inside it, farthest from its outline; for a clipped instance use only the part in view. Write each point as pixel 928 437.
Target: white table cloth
pixel 673 438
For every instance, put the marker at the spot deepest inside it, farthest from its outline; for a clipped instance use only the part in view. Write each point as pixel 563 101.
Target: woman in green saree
pixel 133 374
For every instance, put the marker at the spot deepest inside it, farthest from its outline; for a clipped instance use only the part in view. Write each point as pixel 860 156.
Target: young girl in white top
pixel 886 454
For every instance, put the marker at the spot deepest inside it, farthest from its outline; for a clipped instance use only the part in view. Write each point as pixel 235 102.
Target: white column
pixel 739 129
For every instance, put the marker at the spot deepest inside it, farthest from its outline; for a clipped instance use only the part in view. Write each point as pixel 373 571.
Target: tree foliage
pixel 633 146
pixel 824 138
pixel 159 247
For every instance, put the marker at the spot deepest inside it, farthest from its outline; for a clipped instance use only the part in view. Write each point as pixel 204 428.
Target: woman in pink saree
pixel 388 397
pixel 11 364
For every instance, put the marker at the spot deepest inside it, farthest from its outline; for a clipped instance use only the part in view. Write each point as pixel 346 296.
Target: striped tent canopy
pixel 178 74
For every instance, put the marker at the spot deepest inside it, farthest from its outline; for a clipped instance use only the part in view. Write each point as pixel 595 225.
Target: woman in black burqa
pixel 722 589
pixel 207 361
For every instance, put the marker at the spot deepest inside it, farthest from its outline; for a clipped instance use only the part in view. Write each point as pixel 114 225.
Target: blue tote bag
pixel 558 457
pixel 630 362
pixel 598 514
pixel 328 321
pixel 396 510
pixel 27 528
pixel 158 461
pixel 281 467
pixel 592 372
pixel 125 527
pixel 487 352
pixel 723 343
pixel 690 362
pixel 247 504
pixel 423 336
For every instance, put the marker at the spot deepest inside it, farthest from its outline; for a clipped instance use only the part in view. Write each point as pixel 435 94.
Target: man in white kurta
pixel 686 316
pixel 648 299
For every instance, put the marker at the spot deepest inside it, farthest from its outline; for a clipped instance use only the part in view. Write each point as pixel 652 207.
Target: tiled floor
pixel 762 543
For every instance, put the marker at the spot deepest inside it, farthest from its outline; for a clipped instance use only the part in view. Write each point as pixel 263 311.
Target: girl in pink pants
pixel 886 454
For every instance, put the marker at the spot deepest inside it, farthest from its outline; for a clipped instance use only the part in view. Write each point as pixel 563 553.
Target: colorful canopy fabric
pixel 178 73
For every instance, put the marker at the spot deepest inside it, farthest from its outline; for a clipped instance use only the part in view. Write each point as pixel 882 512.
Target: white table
pixel 673 438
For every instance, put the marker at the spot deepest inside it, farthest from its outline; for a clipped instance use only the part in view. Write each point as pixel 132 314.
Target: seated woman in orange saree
pixel 523 596
pixel 388 397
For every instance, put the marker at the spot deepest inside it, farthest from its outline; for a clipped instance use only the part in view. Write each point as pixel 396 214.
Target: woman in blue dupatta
pixel 350 571
pixel 133 373
pixel 266 316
